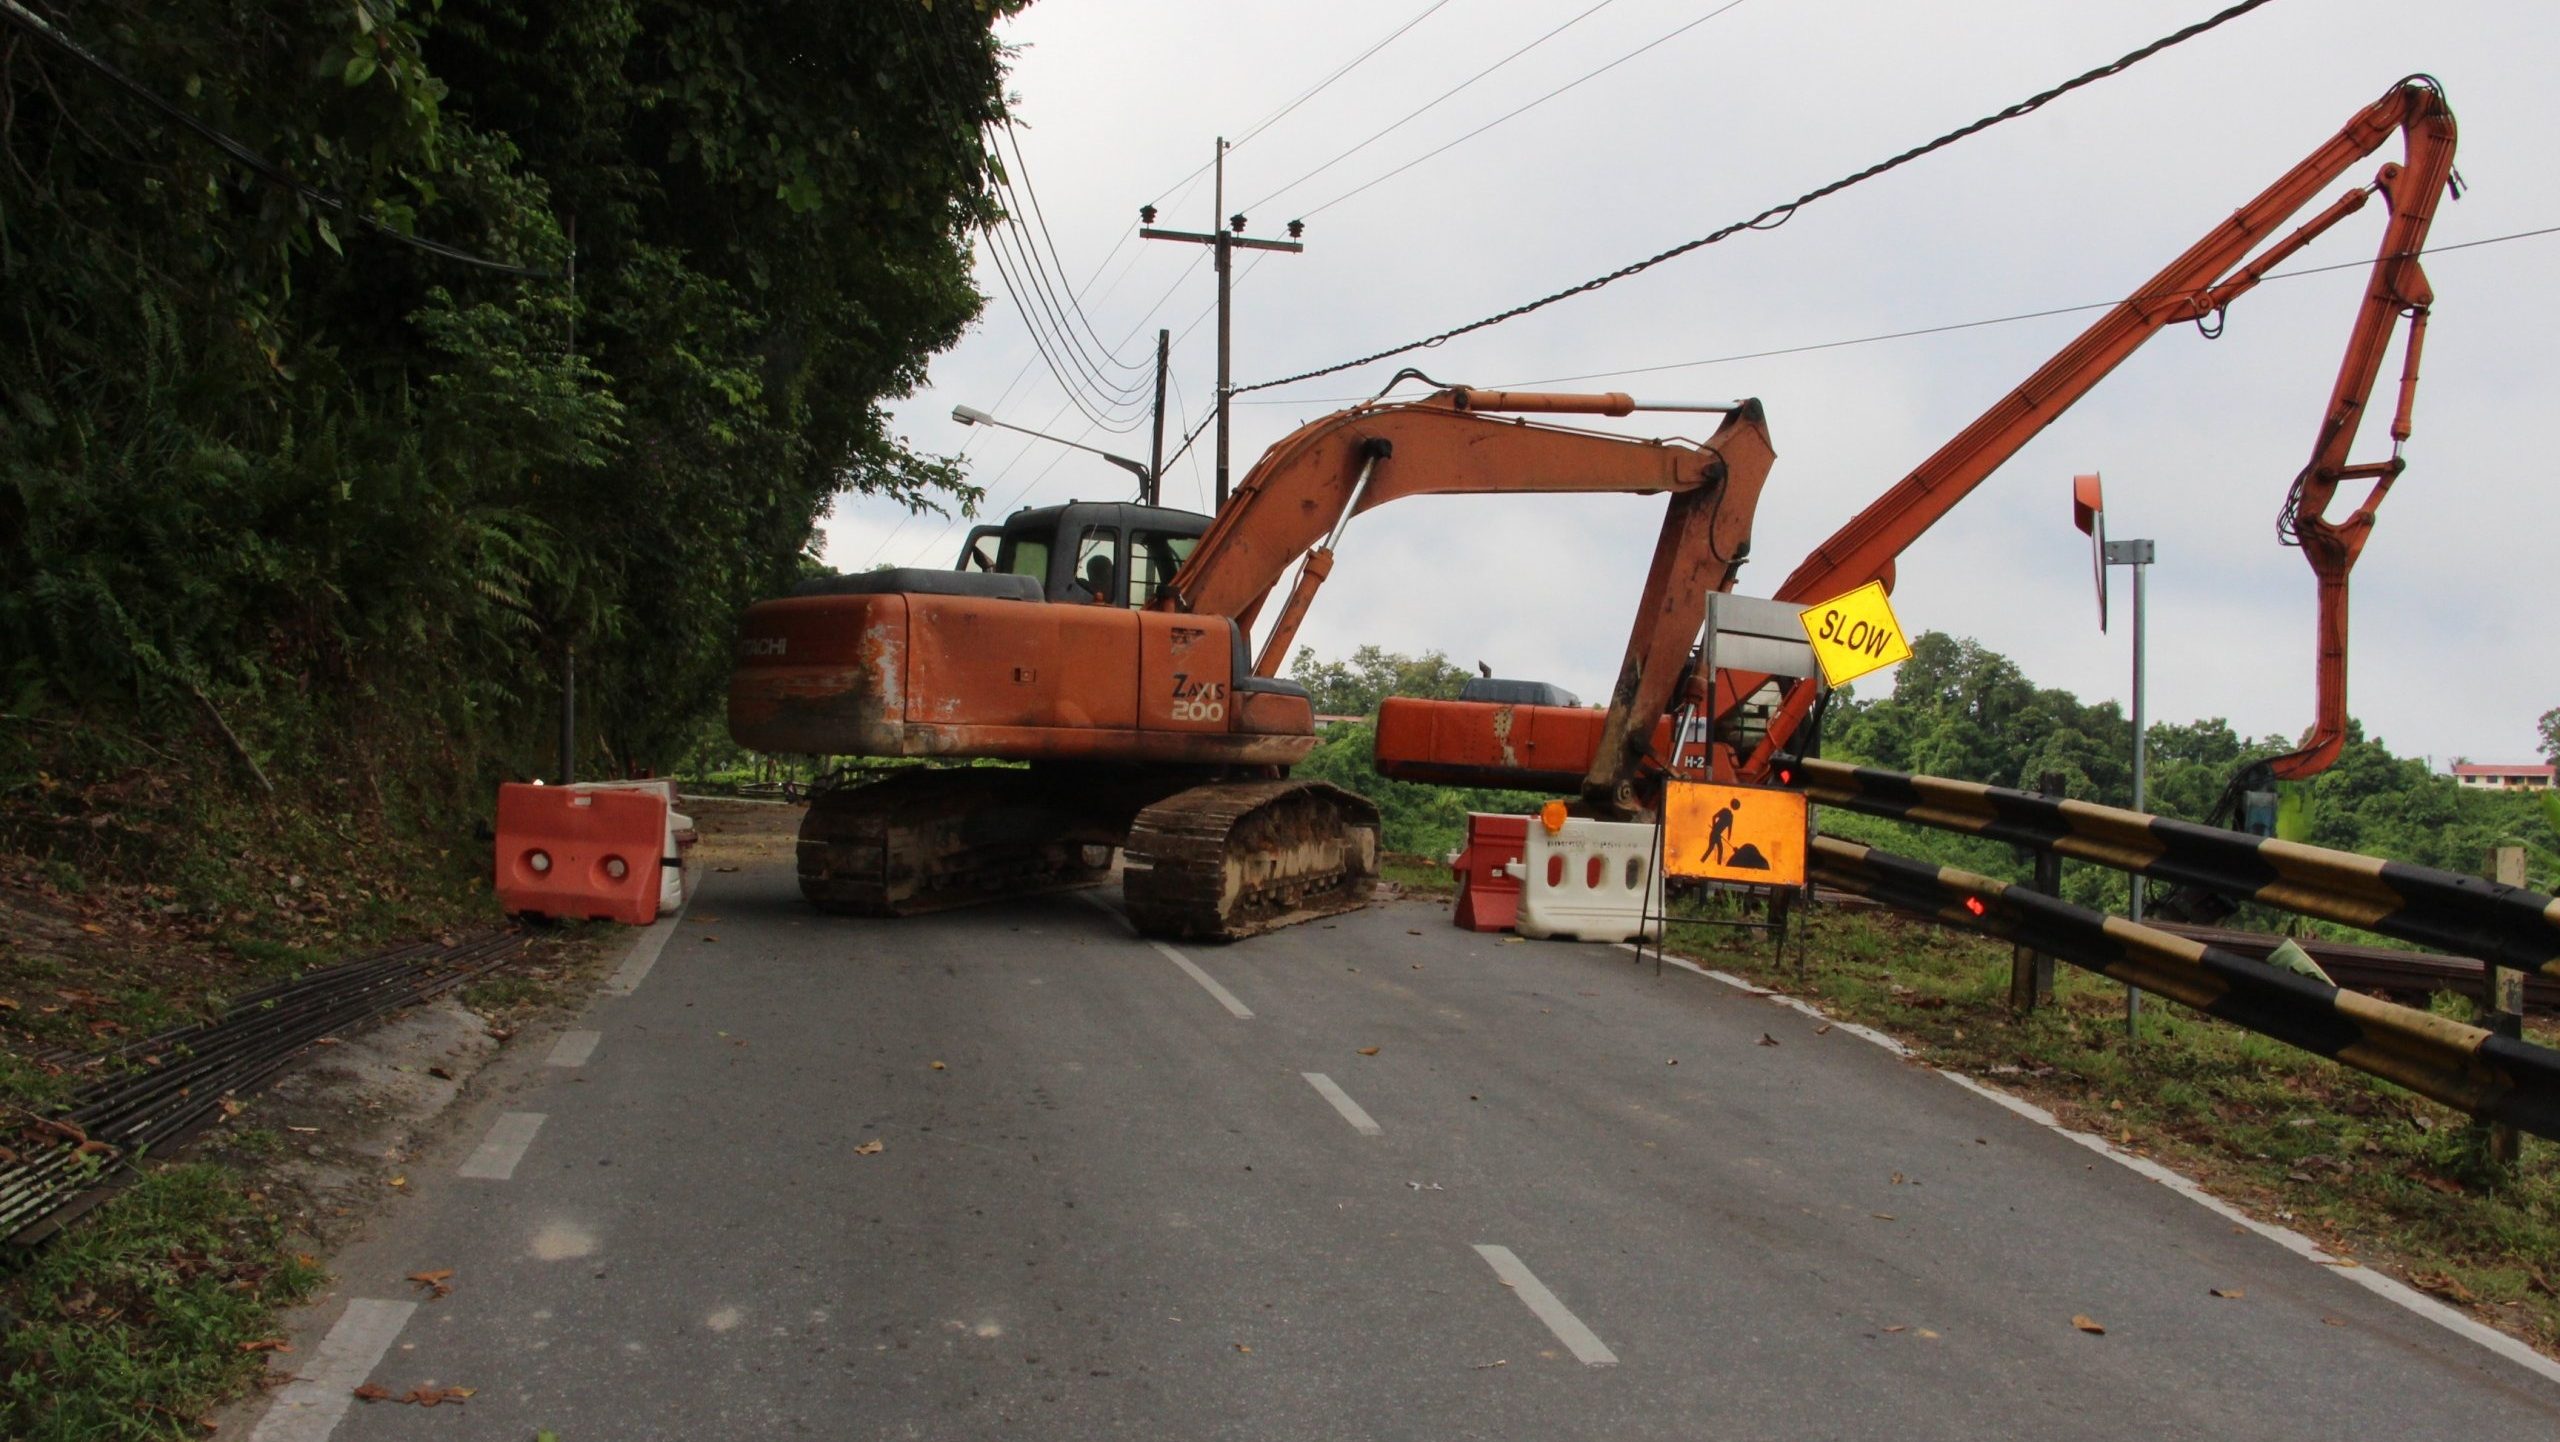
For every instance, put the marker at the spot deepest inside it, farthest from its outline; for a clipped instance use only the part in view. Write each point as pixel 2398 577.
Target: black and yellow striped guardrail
pixel 2465 915
pixel 2464 1067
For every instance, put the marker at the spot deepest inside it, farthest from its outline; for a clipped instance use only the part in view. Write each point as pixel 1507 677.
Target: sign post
pixel 2089 513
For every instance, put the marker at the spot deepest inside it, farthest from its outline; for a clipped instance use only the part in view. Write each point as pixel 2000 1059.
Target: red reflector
pixel 1974 905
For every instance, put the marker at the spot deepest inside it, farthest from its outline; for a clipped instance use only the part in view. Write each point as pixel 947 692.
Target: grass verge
pixel 2371 1171
pixel 135 1323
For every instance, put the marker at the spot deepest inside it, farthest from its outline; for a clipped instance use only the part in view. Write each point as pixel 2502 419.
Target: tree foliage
pixel 249 449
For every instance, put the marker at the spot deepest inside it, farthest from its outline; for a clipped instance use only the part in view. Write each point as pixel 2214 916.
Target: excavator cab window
pixel 1098 562
pixel 980 554
pixel 1153 558
pixel 1025 555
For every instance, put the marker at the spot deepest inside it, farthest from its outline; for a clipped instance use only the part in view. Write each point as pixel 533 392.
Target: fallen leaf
pixel 308 1131
pixel 230 1108
pixel 1898 1328
pixel 1768 1040
pixel 1409 931
pixel 1368 1051
pixel 8 1003
pixel 372 1393
pixel 438 1281
pixel 871 1148
pixel 937 1066
pixel 710 938
pixel 1241 1347
pixel 1927 1335
pixel 439 1073
pixel 1497 1362
pixel 400 1181
pixel 1884 1216
pixel 1820 1030
pixel 2089 1325
pixel 437 1396
pixel 269 1344
pixel 1897 1179
pixel 2331 1322
pixel 2232 1294
pixel 2443 1286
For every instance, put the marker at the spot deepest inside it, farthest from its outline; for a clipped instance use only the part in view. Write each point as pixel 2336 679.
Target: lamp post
pixel 972 416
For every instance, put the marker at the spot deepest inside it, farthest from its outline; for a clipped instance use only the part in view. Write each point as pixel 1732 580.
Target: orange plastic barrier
pixel 579 854
pixel 1489 871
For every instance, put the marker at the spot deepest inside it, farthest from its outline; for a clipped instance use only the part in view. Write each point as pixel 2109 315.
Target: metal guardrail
pixel 2462 1066
pixel 2506 926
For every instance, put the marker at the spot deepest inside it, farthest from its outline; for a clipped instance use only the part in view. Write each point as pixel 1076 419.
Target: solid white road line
pixel 1360 1120
pixel 309 1407
pixel 573 1048
pixel 496 1159
pixel 644 955
pixel 1225 997
pixel 1577 1338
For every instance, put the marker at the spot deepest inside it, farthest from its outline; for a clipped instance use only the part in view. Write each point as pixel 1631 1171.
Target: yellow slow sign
pixel 1855 634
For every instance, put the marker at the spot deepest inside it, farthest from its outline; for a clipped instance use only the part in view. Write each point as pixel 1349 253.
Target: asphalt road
pixel 1119 1209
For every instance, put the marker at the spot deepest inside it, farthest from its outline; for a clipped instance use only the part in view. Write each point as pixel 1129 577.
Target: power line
pixel 1021 167
pixel 1112 394
pixel 1928 330
pixel 274 174
pixel 1269 120
pixel 1431 104
pixel 1524 109
pixel 1778 215
pixel 1062 374
pixel 1353 64
pixel 1182 408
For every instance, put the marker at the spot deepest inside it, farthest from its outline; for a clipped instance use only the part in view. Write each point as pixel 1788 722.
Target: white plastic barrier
pixel 680 835
pixel 1591 881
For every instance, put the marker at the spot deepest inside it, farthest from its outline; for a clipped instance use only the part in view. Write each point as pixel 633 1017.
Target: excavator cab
pixel 1088 552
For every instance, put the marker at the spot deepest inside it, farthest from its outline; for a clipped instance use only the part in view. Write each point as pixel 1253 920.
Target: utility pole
pixel 1224 240
pixel 1155 462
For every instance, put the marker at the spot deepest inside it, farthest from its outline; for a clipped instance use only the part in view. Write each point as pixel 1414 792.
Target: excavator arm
pixel 1292 507
pixel 2196 287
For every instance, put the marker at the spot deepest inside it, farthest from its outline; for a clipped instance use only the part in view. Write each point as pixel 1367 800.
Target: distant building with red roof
pixel 2505 777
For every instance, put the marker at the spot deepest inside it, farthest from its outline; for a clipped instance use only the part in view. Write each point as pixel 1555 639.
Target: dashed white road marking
pixel 309 1407
pixel 2391 1290
pixel 1225 997
pixel 496 1158
pixel 1360 1120
pixel 573 1048
pixel 1578 1339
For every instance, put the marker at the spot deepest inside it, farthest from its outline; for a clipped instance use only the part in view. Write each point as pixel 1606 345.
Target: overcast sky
pixel 2454 651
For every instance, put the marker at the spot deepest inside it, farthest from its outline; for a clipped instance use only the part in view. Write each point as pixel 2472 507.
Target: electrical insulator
pixel 1146 215
pixel 1297 228
pixel 1236 222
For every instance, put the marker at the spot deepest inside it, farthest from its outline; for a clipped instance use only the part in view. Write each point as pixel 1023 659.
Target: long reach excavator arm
pixel 2196 287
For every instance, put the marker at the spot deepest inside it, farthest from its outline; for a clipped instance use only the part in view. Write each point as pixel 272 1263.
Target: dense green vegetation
pixel 258 461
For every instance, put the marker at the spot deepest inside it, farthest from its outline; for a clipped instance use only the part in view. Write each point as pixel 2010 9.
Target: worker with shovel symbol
pixel 1720 831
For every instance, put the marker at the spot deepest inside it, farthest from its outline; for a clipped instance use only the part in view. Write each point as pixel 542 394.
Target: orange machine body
pixel 928 675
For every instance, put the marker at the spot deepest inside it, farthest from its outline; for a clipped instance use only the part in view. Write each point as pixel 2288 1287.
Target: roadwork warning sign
pixel 1751 834
pixel 1855 634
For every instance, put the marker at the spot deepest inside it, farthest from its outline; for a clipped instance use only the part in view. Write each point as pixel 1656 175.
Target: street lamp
pixel 972 416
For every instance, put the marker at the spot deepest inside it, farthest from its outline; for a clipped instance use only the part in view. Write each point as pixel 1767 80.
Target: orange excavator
pixel 1476 744
pixel 1108 646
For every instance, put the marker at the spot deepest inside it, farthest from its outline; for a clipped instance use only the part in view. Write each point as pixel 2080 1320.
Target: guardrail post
pixel 2503 999
pixel 2031 971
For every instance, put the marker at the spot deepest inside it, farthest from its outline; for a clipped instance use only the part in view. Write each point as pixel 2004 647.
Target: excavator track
pixel 929 840
pixel 1234 859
